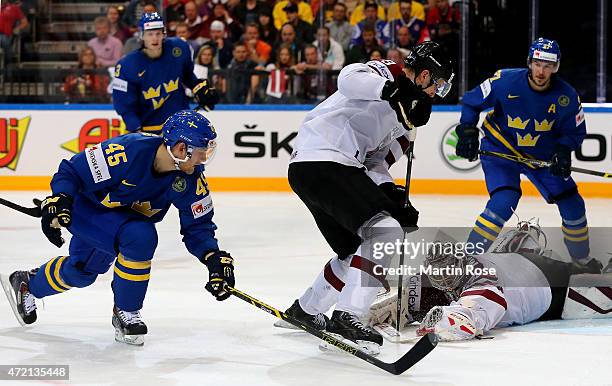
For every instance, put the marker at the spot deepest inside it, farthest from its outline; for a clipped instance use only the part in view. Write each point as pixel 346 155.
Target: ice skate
pixel 318 322
pixel 18 294
pixel 129 327
pixel 347 327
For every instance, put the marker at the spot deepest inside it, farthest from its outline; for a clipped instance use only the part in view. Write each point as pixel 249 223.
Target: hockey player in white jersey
pixel 518 283
pixel 339 170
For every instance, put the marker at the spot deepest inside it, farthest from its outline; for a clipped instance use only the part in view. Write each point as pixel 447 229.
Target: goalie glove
pixel 449 324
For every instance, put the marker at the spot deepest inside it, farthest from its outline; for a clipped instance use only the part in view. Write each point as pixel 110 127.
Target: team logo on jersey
pixel 447 150
pixel 12 137
pixel 179 184
pixel 176 51
pixel 564 100
pixel 202 207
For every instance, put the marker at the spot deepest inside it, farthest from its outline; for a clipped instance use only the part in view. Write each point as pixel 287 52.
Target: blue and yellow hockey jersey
pixel 118 175
pixel 524 121
pixel 147 91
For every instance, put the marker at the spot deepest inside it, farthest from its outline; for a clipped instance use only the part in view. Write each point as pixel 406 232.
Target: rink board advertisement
pixel 255 145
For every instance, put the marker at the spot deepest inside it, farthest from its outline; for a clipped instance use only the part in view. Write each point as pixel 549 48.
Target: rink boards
pixel 255 145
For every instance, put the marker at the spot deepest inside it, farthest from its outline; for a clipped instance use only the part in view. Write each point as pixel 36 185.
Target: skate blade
pixel 369 348
pixel 392 335
pixel 133 340
pixel 8 290
pixel 282 324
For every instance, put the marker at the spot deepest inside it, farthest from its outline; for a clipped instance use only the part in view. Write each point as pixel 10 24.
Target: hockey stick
pixel 400 279
pixel 34 212
pixel 540 163
pixel 414 355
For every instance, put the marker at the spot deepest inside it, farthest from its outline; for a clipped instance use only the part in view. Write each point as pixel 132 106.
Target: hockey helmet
pixel 430 56
pixel 194 130
pixel 151 21
pixel 546 50
pixel 445 266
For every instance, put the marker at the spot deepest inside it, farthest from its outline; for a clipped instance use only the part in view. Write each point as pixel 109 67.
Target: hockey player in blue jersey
pixel 150 83
pixel 109 197
pixel 537 115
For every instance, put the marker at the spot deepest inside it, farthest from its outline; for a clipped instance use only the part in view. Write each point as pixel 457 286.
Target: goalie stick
pixel 540 163
pixel 422 347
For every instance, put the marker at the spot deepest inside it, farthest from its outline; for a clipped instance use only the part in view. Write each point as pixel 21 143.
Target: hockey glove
pixel 468 143
pixel 561 162
pixel 406 215
pixel 206 96
pixel 56 213
pixel 220 273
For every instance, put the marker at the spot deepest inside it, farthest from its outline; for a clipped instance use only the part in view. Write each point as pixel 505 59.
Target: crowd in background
pixel 263 51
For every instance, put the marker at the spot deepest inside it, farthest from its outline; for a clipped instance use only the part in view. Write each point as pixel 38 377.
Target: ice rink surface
pixel 194 340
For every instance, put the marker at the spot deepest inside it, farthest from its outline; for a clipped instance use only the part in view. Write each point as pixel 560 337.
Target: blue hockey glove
pixel 468 144
pixel 220 273
pixel 561 162
pixel 57 207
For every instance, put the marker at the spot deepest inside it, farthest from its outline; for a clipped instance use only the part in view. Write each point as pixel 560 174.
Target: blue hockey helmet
pixel 546 50
pixel 194 130
pixel 150 21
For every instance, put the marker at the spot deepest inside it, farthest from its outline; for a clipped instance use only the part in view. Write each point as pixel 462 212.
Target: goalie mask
pixel 445 266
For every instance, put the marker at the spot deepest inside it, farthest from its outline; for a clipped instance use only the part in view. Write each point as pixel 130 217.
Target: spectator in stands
pixel 361 52
pixel 241 83
pixel 12 20
pixel 220 13
pixel 182 31
pixel 107 48
pixel 88 83
pixel 287 37
pixel 280 81
pixel 404 39
pixel 396 55
pixel 222 45
pixel 442 13
pixel 259 51
pixel 194 22
pixel 376 55
pixel 315 84
pixel 327 11
pixel 330 50
pixel 339 28
pixel 358 14
pixel 174 13
pixel 417 10
pixel 248 11
pixel 117 28
pixel 280 16
pixel 371 19
pixel 204 65
pixel 304 32
pixel 415 25
pixel 135 9
pixel 267 31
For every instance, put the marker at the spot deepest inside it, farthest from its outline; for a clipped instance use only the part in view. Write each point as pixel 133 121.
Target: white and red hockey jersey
pixel 354 126
pixel 518 293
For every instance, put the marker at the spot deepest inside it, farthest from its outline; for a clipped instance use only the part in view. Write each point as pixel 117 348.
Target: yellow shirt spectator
pixel 418 11
pixel 280 16
pixel 358 14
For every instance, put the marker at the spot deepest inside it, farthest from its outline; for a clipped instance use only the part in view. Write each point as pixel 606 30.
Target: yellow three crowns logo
pixel 517 123
pixel 527 140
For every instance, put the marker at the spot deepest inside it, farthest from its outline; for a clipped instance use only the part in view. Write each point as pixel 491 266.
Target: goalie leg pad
pixel 589 296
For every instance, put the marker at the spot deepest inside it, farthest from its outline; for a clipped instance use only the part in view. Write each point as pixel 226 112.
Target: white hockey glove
pixel 448 325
